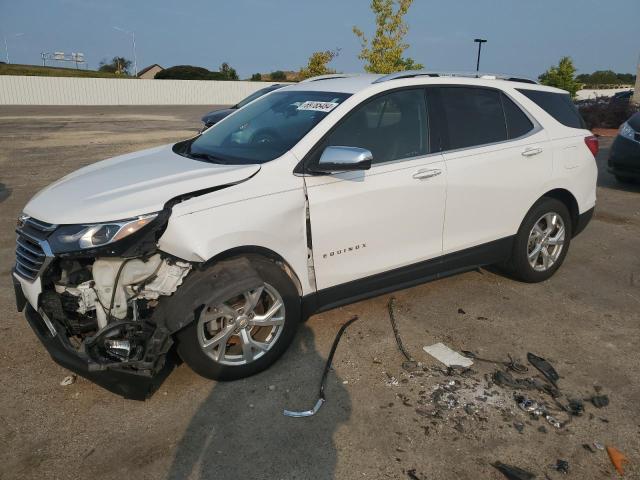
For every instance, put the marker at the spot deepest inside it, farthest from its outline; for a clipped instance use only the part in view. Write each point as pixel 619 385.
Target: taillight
pixel 592 144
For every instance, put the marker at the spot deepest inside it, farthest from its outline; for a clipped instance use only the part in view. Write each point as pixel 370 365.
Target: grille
pixel 32 248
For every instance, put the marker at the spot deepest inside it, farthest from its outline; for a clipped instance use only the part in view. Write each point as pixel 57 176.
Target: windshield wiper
pixel 205 156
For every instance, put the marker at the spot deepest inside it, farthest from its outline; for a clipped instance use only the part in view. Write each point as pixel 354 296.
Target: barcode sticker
pixel 318 106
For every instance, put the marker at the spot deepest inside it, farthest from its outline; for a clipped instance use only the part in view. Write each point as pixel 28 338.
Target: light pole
pixel 479 41
pixel 6 47
pixel 133 39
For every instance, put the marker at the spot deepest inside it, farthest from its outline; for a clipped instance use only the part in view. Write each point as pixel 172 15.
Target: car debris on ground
pixel 327 367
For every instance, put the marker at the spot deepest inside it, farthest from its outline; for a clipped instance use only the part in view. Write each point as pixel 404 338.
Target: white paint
pixel 28 90
pixel 445 355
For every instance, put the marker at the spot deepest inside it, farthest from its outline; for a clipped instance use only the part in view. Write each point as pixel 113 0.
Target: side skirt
pixel 409 276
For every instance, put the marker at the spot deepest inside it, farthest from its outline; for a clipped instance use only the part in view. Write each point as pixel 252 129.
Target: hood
pixel 217 115
pixel 129 185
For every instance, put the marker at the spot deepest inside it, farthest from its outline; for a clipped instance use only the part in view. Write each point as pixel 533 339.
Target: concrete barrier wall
pixel 591 94
pixel 18 90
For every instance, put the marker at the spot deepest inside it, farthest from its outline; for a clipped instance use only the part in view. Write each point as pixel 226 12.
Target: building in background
pixel 150 71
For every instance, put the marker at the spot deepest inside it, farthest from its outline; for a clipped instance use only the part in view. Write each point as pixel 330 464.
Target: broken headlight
pixel 69 238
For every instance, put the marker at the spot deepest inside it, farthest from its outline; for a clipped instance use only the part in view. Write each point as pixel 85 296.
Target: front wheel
pixel 542 241
pixel 245 333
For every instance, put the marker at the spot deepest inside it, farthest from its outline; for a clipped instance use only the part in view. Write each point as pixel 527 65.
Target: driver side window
pixel 392 126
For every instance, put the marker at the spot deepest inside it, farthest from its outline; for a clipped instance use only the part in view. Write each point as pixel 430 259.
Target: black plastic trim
pixel 583 221
pixel 409 276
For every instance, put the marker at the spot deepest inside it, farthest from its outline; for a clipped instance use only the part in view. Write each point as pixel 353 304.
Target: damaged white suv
pixel 313 196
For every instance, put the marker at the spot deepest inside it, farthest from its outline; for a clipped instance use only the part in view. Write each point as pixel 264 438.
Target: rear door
pixel 497 160
pixel 368 222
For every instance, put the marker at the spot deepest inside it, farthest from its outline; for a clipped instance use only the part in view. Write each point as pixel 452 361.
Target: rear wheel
pixel 245 333
pixel 542 241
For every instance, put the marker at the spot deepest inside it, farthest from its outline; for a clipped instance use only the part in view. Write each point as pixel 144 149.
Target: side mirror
pixel 336 159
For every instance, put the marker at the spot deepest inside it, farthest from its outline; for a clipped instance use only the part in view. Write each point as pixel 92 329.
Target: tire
pixel 234 364
pixel 527 242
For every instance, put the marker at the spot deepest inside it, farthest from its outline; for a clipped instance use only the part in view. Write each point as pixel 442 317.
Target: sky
pixel 524 37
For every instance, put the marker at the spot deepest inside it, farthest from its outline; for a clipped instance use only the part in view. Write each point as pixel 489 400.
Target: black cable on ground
pixel 396 333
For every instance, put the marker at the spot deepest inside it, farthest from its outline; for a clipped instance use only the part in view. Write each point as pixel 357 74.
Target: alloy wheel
pixel 546 241
pixel 244 328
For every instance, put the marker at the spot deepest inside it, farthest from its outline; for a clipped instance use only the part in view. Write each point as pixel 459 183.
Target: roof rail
pixel 426 73
pixel 329 77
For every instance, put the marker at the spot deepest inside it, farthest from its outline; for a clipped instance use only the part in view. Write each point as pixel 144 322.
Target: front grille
pixel 32 252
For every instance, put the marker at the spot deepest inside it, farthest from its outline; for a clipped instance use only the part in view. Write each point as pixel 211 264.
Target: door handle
pixel 531 151
pixel 426 173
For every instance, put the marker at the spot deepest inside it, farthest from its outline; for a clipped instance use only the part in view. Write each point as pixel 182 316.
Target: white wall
pixel 18 90
pixel 590 93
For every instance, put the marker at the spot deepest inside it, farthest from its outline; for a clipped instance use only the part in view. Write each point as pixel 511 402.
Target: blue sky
pixel 525 36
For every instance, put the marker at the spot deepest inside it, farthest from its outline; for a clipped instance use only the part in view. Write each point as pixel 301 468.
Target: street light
pixel 479 41
pixel 133 38
pixel 6 47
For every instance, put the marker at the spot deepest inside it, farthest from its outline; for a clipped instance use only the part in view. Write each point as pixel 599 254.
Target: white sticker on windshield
pixel 318 106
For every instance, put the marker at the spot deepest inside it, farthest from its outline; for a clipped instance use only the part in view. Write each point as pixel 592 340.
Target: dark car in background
pixel 214 117
pixel 624 159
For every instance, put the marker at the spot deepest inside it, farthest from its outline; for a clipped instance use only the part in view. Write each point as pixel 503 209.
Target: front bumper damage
pixel 121 379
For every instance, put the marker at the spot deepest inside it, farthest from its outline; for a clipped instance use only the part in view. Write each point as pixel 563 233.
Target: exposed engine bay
pixel 106 305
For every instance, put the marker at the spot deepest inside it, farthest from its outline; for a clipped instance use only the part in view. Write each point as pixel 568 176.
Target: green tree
pixel 562 76
pixel 256 77
pixel 278 76
pixel 118 65
pixel 384 53
pixel 227 72
pixel 317 64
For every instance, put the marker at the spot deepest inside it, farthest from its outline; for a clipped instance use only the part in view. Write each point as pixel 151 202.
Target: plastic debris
pixel 598 445
pixel 617 459
pixel 327 367
pixel 599 401
pixel 544 367
pixel 449 357
pixel 562 466
pixel 511 364
pixel 553 421
pixel 68 380
pixel 513 473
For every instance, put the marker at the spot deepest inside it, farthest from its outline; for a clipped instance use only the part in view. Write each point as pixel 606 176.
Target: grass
pixel 38 71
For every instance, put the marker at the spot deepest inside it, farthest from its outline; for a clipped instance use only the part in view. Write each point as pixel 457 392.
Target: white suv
pixel 313 196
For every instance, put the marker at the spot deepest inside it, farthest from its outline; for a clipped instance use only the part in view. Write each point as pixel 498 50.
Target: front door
pixel 369 222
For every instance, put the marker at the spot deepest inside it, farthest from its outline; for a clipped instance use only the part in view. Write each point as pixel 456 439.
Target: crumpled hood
pixel 129 185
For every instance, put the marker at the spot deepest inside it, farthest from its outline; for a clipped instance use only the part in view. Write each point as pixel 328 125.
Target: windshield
pixel 264 129
pixel 253 96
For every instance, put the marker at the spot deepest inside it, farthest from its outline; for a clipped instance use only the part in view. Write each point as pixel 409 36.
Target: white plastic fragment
pixel 449 357
pixel 66 381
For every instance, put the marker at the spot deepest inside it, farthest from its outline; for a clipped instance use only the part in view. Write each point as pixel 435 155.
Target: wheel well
pixel 263 252
pixel 566 197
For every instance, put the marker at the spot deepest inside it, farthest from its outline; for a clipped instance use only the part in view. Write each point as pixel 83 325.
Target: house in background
pixel 150 71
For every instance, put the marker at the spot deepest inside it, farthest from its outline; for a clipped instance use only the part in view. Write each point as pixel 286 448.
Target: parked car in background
pixel 624 158
pixel 323 193
pixel 214 117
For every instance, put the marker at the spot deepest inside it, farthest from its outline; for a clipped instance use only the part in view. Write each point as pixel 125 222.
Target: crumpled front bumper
pixel 128 383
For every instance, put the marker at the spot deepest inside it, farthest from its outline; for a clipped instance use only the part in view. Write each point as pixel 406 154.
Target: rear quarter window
pixel 558 105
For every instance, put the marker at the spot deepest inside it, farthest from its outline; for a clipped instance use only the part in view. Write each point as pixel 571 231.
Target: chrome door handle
pixel 426 173
pixel 531 151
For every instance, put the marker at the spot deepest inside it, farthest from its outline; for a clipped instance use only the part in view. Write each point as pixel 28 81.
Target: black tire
pixel 192 353
pixel 519 265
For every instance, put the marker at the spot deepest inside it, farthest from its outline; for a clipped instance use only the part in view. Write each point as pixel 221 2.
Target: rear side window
pixel 558 105
pixel 473 116
pixel 518 124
